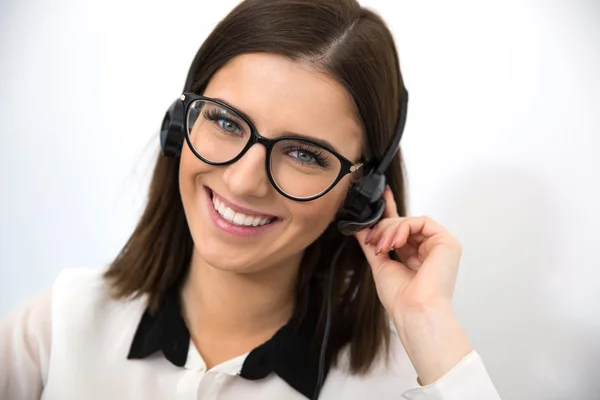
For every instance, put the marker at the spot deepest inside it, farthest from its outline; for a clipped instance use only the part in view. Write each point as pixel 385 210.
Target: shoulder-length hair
pixel 353 46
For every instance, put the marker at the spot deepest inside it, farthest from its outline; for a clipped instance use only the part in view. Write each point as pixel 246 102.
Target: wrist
pixel 418 316
pixel 433 339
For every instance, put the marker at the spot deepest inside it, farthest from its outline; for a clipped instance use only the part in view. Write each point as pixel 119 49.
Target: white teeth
pixel 238 218
pixel 229 214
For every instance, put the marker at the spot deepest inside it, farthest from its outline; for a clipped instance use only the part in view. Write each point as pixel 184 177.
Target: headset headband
pixel 364 206
pixel 391 150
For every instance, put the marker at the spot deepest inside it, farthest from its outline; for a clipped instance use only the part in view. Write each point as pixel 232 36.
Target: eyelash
pixel 321 160
pixel 215 115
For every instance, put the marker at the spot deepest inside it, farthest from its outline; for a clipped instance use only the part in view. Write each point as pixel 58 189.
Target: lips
pixel 237 220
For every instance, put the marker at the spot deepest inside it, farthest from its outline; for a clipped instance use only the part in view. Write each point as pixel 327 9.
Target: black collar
pixel 288 353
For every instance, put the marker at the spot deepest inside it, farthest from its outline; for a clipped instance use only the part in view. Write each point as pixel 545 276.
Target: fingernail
pixel 393 242
pixel 369 236
pixel 379 246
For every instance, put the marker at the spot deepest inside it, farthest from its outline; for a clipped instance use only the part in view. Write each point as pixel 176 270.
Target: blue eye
pixel 226 124
pixel 309 156
pixel 303 156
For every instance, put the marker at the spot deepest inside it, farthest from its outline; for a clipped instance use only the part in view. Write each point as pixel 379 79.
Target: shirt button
pixel 220 378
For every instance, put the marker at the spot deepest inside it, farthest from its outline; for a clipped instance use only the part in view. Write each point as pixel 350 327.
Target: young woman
pixel 237 282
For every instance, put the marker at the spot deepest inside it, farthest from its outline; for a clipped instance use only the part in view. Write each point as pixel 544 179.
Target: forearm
pixel 434 341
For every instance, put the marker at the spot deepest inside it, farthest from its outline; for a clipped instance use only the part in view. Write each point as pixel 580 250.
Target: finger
pixel 413 262
pixel 387 237
pixel 391 209
pixel 369 249
pixel 434 242
pixel 417 229
pixel 377 230
pixel 406 247
pixel 425 226
pixel 410 257
pixel 381 263
pixel 410 233
pixel 416 239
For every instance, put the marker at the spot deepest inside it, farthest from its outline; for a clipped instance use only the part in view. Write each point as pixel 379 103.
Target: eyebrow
pixel 321 142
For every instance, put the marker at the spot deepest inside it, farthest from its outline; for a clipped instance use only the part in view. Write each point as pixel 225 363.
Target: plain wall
pixel 501 146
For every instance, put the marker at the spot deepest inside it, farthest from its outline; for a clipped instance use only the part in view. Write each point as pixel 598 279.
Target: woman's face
pixel 279 96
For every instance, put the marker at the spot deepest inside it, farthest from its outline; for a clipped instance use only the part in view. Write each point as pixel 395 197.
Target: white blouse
pixel 76 342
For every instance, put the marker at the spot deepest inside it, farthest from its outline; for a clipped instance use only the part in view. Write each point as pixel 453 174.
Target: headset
pixel 362 208
pixel 364 205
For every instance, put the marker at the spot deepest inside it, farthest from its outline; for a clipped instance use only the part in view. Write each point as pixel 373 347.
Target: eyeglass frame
pixel 346 166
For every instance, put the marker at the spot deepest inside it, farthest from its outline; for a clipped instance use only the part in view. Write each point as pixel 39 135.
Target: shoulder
pixel 25 348
pixel 87 283
pixel 82 297
pixel 30 317
pixel 78 280
pixel 88 323
pixel 29 334
pixel 388 376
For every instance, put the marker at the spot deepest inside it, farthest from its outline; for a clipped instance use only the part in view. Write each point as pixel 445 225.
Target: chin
pixel 226 259
pixel 220 254
pixel 221 263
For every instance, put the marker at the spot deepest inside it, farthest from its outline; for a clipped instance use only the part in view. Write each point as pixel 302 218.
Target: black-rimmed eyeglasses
pixel 299 169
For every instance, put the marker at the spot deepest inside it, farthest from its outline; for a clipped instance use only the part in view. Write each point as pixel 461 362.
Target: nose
pixel 248 176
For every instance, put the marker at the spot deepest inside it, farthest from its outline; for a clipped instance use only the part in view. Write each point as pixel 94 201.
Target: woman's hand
pixel 417 291
pixel 429 255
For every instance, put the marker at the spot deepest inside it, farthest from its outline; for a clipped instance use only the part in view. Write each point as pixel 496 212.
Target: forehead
pixel 280 95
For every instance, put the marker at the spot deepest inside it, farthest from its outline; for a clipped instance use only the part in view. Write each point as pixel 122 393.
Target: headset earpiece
pixel 172 131
pixel 364 205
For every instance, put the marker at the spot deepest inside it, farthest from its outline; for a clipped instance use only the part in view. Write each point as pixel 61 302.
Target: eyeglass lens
pixel 299 168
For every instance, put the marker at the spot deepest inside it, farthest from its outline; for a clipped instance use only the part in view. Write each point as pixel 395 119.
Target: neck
pixel 225 305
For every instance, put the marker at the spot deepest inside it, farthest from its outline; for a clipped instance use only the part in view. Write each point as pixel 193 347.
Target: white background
pixel 501 144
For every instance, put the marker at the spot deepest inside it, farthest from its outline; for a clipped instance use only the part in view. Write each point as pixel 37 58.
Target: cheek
pixel 311 218
pixel 189 168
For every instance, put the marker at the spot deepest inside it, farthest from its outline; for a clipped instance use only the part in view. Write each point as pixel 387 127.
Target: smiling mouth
pixel 236 217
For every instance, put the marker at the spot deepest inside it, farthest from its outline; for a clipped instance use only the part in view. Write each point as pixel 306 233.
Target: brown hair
pixel 352 45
